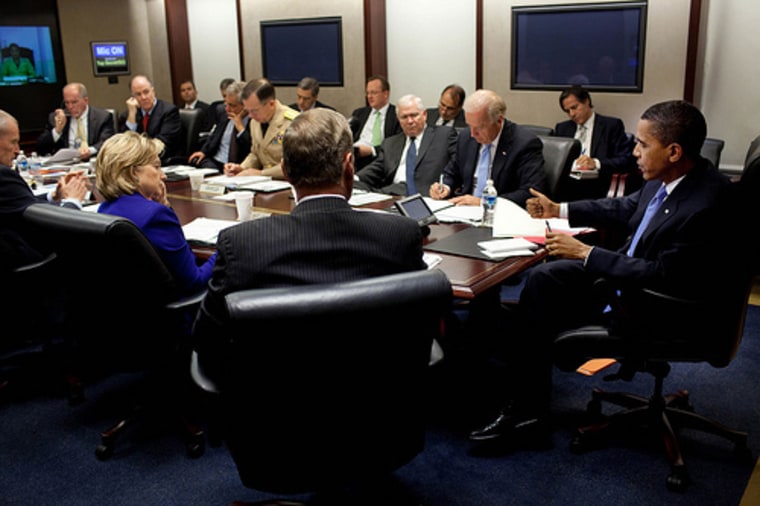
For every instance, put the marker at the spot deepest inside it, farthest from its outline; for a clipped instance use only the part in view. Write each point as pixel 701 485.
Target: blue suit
pixel 518 164
pixel 161 226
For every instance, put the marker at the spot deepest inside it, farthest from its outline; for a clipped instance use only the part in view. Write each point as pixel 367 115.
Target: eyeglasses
pixel 447 107
pixel 374 92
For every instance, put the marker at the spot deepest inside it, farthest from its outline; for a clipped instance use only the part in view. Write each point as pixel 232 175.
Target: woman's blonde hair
pixel 117 159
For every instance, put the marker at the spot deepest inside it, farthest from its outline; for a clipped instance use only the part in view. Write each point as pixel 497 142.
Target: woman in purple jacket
pixel 130 179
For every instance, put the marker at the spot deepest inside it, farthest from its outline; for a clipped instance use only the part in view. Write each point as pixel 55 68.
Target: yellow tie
pixel 80 132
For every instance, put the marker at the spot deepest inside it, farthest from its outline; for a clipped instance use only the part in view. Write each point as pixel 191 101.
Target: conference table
pixel 470 277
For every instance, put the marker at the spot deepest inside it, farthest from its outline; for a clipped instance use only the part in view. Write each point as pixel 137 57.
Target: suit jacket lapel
pixel 501 153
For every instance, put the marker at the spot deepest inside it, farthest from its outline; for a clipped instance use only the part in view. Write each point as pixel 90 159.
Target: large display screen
pixel 293 49
pixel 598 46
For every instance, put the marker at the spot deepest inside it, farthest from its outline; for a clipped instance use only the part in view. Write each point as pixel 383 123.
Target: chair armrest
pixel 200 378
pixel 187 302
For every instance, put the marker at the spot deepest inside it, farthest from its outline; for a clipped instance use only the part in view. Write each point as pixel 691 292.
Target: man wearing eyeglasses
pixel 370 125
pixel 409 162
pixel 449 111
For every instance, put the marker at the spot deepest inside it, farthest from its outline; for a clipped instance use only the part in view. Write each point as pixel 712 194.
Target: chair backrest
pixel 192 121
pixel 115 119
pixel 559 154
pixel 711 149
pixel 323 385
pixel 116 278
pixel 539 129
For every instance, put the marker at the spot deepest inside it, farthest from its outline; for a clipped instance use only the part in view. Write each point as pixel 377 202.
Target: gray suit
pixel 438 147
pixel 99 128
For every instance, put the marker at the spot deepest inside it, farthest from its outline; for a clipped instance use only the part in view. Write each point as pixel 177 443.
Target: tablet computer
pixel 416 208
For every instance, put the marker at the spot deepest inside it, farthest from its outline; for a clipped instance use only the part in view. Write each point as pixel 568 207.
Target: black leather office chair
pixel 540 130
pixel 192 121
pixel 712 149
pixel 670 330
pixel 124 312
pixel 31 309
pixel 559 154
pixel 322 386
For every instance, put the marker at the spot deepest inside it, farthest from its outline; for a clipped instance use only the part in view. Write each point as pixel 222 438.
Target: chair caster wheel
pixel 678 479
pixel 103 452
pixel 196 447
pixel 578 446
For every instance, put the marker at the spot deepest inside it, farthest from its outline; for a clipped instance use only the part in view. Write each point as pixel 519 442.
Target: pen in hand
pixel 440 185
pixel 548 226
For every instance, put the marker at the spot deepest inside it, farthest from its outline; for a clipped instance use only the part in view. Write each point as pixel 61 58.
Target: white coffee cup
pixel 244 203
pixel 196 179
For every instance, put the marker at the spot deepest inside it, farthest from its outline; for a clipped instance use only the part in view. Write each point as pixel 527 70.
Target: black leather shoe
pixel 523 429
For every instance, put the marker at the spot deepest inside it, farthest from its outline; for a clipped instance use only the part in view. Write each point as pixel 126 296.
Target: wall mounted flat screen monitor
pixel 109 58
pixel 599 46
pixel 27 55
pixel 294 49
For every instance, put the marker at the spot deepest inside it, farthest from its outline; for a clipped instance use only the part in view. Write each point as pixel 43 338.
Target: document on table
pixel 266 186
pixel 204 231
pixel 236 181
pixel 501 248
pixel 460 214
pixel 63 155
pixel 512 220
pixel 360 198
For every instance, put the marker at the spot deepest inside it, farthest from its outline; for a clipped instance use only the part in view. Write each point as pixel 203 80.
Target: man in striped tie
pixel 675 224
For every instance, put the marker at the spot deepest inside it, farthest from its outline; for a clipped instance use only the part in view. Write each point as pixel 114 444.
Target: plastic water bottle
pixel 22 164
pixel 35 167
pixel 488 201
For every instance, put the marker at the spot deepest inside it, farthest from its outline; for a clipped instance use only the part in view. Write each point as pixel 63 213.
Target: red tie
pixel 146 117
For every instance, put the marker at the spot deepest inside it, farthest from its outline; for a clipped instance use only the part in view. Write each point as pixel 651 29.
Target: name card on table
pixel 212 189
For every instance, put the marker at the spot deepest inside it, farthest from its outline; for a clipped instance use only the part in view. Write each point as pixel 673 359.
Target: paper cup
pixel 244 203
pixel 196 179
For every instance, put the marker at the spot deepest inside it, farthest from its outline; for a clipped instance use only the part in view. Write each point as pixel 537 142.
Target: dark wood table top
pixel 469 276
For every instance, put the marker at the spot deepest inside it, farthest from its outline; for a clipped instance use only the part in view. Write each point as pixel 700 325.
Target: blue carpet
pixel 47 450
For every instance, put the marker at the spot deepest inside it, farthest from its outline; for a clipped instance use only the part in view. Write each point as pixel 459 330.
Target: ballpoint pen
pixel 440 184
pixel 548 226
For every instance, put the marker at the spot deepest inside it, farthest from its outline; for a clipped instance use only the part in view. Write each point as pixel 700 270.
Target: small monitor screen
pixel 110 58
pixel 416 208
pixel 27 55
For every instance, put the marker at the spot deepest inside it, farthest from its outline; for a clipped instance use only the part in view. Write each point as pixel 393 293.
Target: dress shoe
pixel 525 428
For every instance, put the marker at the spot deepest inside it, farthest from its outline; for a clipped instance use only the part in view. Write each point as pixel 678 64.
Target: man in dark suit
pixel 373 123
pixel 155 117
pixel 492 147
pixel 189 95
pixel 664 253
pixel 605 147
pixel 307 93
pixel 231 139
pixel 433 148
pixel 323 239
pixel 17 247
pixel 80 126
pixel 449 111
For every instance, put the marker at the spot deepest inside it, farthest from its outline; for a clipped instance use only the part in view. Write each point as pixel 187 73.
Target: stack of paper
pixel 501 248
pixel 236 181
pixel 205 231
pixel 460 214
